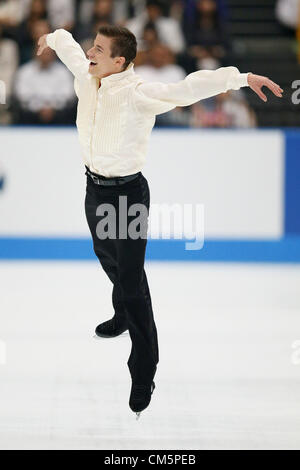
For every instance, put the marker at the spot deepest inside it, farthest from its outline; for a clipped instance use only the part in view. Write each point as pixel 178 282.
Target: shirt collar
pixel 129 71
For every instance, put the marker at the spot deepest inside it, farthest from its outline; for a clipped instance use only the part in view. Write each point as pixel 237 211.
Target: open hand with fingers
pixel 256 82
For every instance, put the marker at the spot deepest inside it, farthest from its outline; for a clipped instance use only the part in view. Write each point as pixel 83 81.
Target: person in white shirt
pixel 44 90
pixel 161 66
pixel 61 13
pixel 225 110
pixel 11 12
pixel 116 113
pixel 169 29
pixel 9 59
pixel 288 13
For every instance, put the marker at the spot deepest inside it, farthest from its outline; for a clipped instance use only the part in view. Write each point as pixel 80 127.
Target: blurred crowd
pixel 175 38
pixel 288 13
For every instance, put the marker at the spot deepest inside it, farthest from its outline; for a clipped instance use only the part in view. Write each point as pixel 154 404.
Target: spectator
pixel 189 9
pixel 206 28
pixel 124 9
pixel 206 39
pixel 11 13
pixel 176 10
pixel 223 111
pixel 44 91
pixel 84 11
pixel 161 67
pixel 39 28
pixel 287 12
pixel 118 11
pixel 102 13
pixel 149 40
pixel 149 37
pixel 169 30
pixel 206 57
pixel 37 11
pixel 9 59
pixel 61 14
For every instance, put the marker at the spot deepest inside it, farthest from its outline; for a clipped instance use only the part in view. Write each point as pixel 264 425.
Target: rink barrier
pixel 286 250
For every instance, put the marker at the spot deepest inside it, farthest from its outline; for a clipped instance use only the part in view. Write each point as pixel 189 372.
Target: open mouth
pixel 92 64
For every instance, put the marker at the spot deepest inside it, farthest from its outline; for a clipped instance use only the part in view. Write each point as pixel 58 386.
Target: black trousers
pixel 122 258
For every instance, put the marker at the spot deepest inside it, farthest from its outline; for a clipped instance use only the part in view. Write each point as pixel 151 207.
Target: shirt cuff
pixel 242 79
pixel 50 40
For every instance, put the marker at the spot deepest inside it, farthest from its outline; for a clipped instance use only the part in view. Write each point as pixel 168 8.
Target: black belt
pixel 114 181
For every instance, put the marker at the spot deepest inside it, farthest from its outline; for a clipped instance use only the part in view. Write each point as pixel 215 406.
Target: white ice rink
pixel 229 370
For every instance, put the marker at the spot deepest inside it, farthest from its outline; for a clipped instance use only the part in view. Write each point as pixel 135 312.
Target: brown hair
pixel 123 42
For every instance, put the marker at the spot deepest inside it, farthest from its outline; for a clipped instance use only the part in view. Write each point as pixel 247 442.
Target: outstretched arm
pixel 67 49
pixel 157 98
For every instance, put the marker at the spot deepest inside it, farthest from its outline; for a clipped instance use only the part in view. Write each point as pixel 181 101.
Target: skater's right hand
pixel 42 44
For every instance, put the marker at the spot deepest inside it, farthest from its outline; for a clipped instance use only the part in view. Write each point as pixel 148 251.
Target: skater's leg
pixel 110 267
pixel 144 355
pixel 143 358
pixel 105 251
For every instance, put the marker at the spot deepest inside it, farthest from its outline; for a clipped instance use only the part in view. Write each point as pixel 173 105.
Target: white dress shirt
pixel 12 9
pixel 115 121
pixel 169 73
pixel 37 87
pixel 169 31
pixel 287 12
pixel 9 59
pixel 60 12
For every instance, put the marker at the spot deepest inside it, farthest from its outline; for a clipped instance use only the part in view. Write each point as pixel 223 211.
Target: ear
pixel 121 61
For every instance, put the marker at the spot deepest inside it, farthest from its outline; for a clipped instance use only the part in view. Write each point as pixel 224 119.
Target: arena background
pixel 228 315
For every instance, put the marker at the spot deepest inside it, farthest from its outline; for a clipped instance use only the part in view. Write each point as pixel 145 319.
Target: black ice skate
pixel 110 329
pixel 140 397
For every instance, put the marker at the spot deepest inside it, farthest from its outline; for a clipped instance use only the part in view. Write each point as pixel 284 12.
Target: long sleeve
pixel 69 52
pixel 158 98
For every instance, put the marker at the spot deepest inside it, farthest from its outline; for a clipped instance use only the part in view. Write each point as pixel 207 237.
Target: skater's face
pixel 101 62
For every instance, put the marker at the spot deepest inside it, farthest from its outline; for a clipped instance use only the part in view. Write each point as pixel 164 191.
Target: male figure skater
pixel 115 115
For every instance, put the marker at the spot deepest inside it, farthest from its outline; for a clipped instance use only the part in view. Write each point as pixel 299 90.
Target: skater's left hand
pixel 256 82
pixel 42 44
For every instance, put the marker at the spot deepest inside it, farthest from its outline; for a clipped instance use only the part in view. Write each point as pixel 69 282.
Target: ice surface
pixel 227 376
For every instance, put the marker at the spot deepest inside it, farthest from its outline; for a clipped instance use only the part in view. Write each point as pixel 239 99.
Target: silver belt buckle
pixel 95 179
